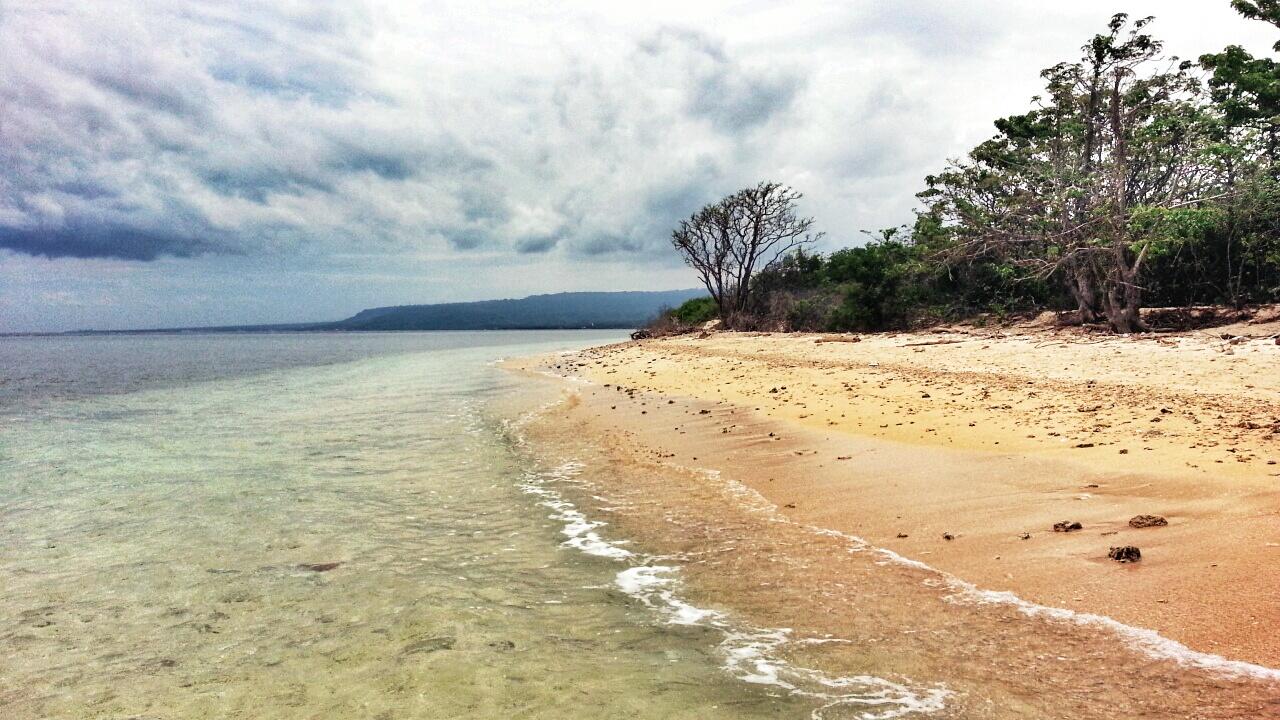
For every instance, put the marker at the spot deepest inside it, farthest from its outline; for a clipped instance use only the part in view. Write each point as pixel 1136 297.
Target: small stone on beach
pixel 1125 554
pixel 1146 521
pixel 1067 526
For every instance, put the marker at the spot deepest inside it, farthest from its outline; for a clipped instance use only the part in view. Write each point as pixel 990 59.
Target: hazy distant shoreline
pixel 557 311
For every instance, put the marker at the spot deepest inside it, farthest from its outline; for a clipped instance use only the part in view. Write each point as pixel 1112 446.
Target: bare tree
pixel 729 241
pixel 703 241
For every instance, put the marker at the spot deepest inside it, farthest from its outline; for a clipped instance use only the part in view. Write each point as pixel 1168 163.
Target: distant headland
pixel 556 311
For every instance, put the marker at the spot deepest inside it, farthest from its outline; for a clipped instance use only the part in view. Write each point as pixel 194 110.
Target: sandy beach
pixel 961 449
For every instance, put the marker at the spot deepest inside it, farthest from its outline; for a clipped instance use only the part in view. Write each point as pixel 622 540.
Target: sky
pixel 173 163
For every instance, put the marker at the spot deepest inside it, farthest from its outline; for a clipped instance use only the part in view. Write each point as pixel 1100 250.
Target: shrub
pixel 684 319
pixel 696 311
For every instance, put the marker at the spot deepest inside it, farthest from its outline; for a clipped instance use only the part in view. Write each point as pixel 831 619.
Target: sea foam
pixel 1145 640
pixel 752 655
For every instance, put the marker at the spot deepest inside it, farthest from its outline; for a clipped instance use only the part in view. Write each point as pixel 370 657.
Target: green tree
pixel 1055 192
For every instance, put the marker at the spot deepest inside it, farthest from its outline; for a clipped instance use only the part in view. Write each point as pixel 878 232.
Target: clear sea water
pixel 383 526
pixel 317 526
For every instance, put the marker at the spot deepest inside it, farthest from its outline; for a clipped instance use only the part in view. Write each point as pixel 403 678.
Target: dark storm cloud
pixel 142 87
pixel 483 203
pixel 258 183
pixel 86 189
pixel 534 245
pixel 702 183
pixel 98 239
pixel 598 245
pixel 467 238
pixel 738 105
pixel 732 95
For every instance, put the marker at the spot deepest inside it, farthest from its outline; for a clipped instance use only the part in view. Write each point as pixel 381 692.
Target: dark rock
pixel 1067 526
pixel 1146 521
pixel 319 567
pixel 430 645
pixel 1125 554
pixel 948 536
pixel 641 335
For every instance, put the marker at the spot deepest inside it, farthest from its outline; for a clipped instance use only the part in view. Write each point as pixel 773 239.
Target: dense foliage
pixel 1135 179
pixel 696 311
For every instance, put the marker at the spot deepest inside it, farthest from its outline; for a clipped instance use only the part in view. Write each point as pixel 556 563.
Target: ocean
pixel 329 525
pixel 394 526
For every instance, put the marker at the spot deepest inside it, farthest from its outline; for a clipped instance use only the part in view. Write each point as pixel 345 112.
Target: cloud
pixel 934 28
pixel 733 96
pixel 304 139
pixel 532 245
pixel 80 239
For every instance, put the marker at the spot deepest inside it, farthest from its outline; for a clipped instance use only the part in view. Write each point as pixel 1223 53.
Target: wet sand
pixel 906 440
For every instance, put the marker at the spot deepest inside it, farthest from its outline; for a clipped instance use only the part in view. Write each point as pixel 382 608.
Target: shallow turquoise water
pixel 304 526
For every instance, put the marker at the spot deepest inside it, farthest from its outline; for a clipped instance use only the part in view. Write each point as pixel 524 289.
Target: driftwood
pixel 937 342
pixel 850 339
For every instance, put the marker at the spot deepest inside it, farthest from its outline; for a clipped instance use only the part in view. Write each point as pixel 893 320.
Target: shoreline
pixel 1204 579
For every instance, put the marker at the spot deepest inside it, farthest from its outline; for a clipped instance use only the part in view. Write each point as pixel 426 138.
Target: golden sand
pixel 962 449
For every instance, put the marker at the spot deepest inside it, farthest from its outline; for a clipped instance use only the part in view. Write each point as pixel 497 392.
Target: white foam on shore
pixel 655 586
pixel 1149 641
pixel 751 655
pixel 580 531
pixel 1145 640
pixel 963 592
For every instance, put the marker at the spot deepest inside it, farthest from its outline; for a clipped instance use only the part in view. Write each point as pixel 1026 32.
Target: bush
pixel 696 311
pixel 684 319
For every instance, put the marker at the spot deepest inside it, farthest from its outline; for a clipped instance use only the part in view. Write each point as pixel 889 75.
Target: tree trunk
pixel 1081 286
pixel 1122 303
pixel 1125 317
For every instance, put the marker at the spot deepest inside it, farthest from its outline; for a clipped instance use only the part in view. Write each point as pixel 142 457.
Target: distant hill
pixel 557 311
pixel 560 311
